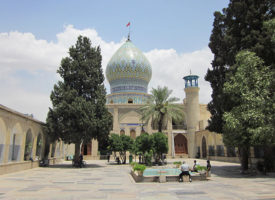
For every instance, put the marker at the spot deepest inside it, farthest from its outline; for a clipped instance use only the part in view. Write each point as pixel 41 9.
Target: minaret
pixel 192 111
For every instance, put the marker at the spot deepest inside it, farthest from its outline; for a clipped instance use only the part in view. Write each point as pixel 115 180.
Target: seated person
pixel 184 171
pixel 195 166
pixel 208 166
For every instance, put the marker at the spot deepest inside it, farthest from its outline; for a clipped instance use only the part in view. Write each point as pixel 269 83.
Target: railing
pixel 179 127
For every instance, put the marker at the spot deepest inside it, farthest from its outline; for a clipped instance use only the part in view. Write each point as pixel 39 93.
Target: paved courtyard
pixel 101 181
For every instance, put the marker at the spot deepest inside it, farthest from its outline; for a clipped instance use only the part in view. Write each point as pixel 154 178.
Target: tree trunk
pixel 244 154
pixel 160 123
pixel 268 159
pixel 77 151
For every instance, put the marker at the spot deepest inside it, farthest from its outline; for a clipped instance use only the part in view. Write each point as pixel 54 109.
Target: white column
pixel 173 144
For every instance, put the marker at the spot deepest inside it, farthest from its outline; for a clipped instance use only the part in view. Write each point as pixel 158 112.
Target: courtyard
pixel 100 180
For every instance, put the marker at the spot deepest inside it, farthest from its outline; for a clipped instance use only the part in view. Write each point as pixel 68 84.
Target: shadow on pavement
pixel 69 166
pixel 235 172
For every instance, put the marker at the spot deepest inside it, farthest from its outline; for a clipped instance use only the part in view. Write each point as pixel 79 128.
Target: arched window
pixel 53 149
pixel 28 146
pixel 180 142
pixel 2 139
pixel 39 145
pixel 133 133
pixel 130 101
pixel 203 147
pixel 122 132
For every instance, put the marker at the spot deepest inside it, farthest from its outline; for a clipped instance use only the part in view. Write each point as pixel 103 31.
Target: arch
pixel 57 149
pixel 130 117
pixel 39 145
pixel 203 147
pixel 133 133
pixel 86 149
pixel 28 145
pixel 179 124
pixel 130 101
pixel 122 132
pixel 142 130
pixel 53 149
pixel 180 143
pixel 15 143
pixel 2 139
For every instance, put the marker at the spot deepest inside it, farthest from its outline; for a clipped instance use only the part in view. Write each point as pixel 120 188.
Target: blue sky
pixel 180 24
pixel 36 35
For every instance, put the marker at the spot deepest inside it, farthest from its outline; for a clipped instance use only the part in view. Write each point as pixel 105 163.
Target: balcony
pixel 179 127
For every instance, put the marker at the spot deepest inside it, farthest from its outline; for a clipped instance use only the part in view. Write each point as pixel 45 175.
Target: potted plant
pixel 139 168
pixel 177 163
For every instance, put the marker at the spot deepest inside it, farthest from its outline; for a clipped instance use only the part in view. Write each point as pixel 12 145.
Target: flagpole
pixel 129 30
pixel 129 24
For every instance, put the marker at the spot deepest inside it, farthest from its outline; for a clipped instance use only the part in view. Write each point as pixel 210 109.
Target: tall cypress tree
pixel 240 26
pixel 79 113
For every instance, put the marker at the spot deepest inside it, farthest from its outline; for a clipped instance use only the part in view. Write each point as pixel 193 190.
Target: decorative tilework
pixel 128 73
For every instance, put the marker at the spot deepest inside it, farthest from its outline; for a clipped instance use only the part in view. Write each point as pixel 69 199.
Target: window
pixel 130 101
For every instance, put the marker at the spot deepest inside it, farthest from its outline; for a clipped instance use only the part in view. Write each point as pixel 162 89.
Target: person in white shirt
pixel 184 171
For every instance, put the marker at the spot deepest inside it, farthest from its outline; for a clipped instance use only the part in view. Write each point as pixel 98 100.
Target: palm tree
pixel 161 108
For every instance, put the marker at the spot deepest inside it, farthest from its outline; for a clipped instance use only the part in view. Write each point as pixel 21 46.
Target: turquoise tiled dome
pixel 128 70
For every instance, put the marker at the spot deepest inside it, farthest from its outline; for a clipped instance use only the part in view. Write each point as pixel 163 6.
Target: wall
pixel 21 138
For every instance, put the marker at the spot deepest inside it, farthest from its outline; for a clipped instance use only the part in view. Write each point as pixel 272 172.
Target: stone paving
pixel 100 180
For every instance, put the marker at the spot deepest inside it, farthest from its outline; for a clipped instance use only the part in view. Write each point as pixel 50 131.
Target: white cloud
pixel 169 68
pixel 28 67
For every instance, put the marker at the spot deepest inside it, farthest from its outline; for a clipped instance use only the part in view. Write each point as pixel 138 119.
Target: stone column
pixel 191 143
pixel 193 114
pixel 94 148
pixel 169 135
pixel 115 121
pixel 34 145
pixel 22 147
pixel 50 151
pixel 127 130
pixel 138 131
pixel 7 146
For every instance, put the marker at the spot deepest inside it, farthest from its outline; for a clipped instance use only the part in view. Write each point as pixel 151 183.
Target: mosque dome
pixel 128 70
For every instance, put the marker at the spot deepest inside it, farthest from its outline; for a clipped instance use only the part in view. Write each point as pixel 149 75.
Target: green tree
pixel 121 144
pixel 127 145
pixel 270 27
pixel 79 113
pixel 161 108
pixel 144 144
pixel 115 143
pixel 252 120
pixel 238 27
pixel 160 145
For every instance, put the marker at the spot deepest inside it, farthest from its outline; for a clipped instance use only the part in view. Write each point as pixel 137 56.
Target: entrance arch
pixel 86 149
pixel 180 142
pixel 2 139
pixel 39 145
pixel 28 145
pixel 133 134
pixel 122 132
pixel 15 143
pixel 203 147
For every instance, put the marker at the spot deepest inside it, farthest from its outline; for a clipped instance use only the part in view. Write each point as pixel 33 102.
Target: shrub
pixel 148 158
pixel 201 168
pixel 139 167
pixel 177 162
pixel 133 164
